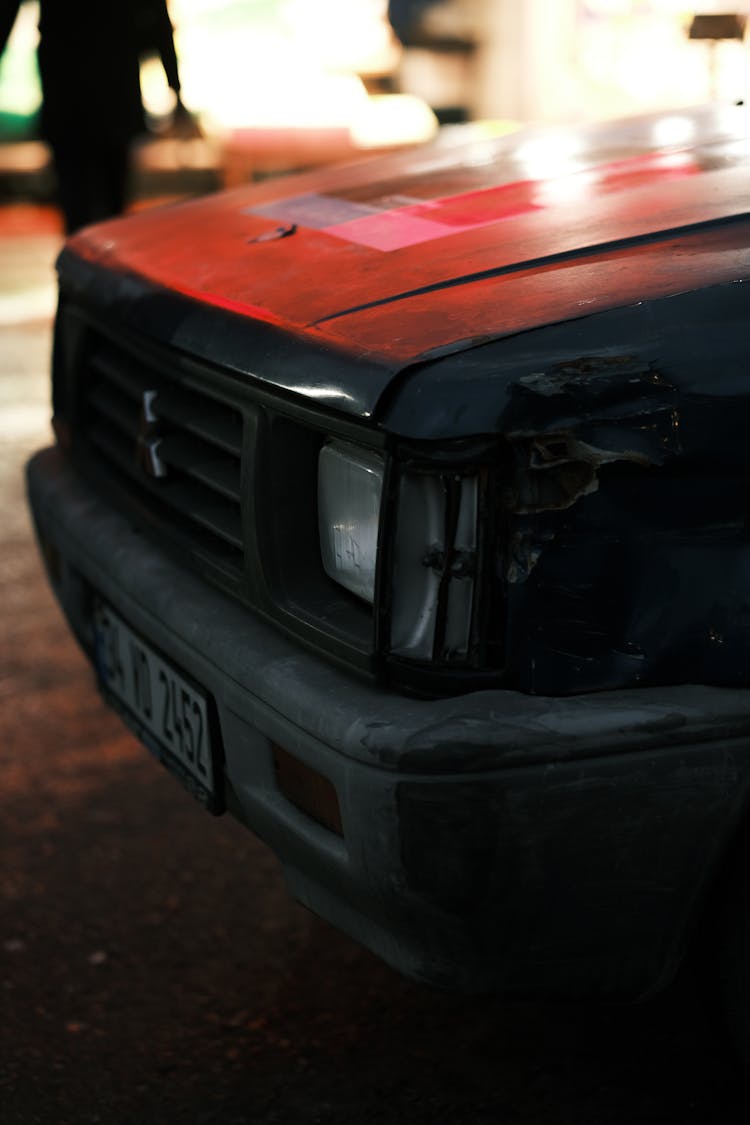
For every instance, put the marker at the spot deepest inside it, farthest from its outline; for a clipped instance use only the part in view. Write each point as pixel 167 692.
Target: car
pixel 402 510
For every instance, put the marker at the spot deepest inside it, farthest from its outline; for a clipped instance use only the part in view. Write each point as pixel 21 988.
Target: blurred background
pixel 279 85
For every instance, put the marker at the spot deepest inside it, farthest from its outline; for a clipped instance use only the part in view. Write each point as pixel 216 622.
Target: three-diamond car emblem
pixel 150 438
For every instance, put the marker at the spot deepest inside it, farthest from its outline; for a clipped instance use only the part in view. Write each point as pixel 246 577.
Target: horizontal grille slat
pixel 175 445
pixel 115 407
pixel 206 510
pixel 206 418
pixel 219 427
pixel 216 470
pixel 121 370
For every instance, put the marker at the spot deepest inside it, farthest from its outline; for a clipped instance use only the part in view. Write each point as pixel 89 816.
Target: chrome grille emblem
pixel 149 438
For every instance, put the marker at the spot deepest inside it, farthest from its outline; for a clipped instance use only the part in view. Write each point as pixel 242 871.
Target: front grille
pixel 217 469
pixel 221 471
pixel 177 447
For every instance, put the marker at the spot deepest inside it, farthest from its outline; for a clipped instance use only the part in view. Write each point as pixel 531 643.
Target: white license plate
pixel 168 713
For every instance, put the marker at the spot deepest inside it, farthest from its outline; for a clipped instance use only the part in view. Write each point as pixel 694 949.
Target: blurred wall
pixel 525 62
pixel 571 59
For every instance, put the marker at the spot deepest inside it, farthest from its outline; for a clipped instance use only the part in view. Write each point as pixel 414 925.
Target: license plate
pixel 165 709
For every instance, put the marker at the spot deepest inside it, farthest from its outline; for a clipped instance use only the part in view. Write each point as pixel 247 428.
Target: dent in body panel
pixel 628 557
pixel 566 423
pixel 589 412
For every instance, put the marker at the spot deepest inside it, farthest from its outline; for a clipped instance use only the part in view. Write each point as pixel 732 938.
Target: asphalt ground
pixel 153 968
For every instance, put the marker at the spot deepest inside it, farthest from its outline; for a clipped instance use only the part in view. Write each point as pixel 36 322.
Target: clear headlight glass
pixel 434 566
pixel 350 485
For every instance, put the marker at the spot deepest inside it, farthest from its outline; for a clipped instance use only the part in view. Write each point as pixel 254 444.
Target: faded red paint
pixel 551 294
pixel 426 221
pixel 341 282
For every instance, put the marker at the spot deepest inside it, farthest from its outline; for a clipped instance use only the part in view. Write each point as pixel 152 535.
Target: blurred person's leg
pixel 92 181
pixel 113 180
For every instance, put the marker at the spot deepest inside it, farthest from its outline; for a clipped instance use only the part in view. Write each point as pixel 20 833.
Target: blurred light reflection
pixel 547 157
pixel 673 130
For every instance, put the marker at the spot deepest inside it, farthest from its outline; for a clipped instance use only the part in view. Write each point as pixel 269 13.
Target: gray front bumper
pixel 494 840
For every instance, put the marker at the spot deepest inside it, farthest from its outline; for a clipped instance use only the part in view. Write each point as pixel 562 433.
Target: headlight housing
pixel 350 486
pixel 434 567
pixel 420 524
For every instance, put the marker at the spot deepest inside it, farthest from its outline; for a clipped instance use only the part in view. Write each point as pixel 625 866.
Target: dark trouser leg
pixel 92 180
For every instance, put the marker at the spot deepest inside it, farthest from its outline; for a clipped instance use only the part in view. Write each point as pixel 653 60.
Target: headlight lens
pixel 350 485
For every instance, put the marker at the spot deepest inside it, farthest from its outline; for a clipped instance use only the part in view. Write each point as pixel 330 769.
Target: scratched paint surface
pixel 392 222
pixel 400 257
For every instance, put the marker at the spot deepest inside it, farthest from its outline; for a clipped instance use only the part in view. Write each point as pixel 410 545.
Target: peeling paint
pixel 525 549
pixel 619 398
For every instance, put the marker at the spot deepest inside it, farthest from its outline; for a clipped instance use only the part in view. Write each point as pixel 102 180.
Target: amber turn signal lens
pixel 308 790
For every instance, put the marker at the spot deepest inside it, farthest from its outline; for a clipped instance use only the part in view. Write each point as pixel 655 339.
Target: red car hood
pixel 434 250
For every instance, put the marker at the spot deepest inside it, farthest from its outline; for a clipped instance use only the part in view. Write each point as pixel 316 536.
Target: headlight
pixel 350 484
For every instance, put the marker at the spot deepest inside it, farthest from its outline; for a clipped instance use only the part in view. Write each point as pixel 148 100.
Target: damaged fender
pixel 625 554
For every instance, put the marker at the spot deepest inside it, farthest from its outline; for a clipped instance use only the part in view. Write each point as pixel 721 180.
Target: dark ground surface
pixel 153 967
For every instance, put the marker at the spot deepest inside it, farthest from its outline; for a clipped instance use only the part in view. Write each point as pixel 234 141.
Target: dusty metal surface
pixel 395 260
